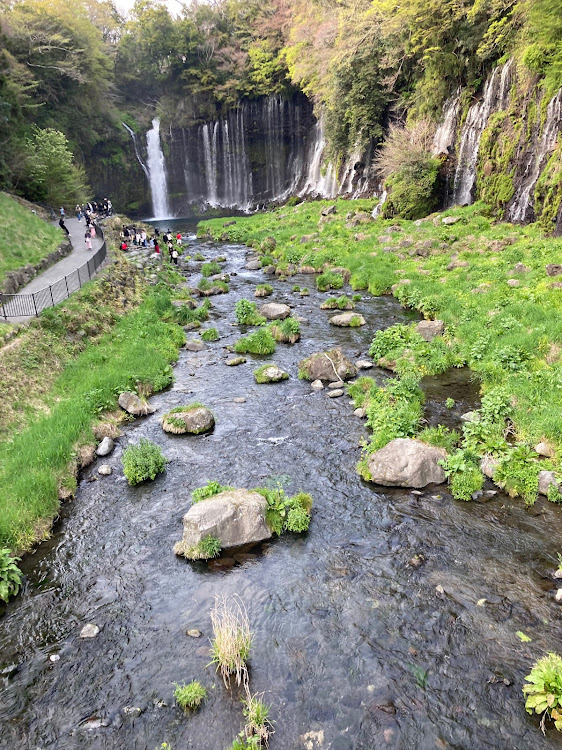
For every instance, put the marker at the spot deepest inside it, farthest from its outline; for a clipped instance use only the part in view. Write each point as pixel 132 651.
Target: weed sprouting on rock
pixel 440 437
pixel 543 690
pixel 186 315
pixel 287 513
pixel 10 575
pixel 211 334
pixel 143 461
pixel 211 489
pixel 263 290
pixel 232 639
pixel 258 342
pixel 286 331
pixel 190 696
pixel 210 269
pixel 338 303
pixel 329 280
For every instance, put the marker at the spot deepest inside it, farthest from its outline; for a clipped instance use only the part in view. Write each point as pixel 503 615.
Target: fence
pixel 29 305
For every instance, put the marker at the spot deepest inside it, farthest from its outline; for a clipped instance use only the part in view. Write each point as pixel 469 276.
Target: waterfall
pixel 537 159
pixel 444 137
pixel 136 147
pixel 321 180
pixel 157 172
pixel 378 208
pixel 494 98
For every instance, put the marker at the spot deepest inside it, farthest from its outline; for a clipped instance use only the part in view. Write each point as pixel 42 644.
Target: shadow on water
pixel 355 648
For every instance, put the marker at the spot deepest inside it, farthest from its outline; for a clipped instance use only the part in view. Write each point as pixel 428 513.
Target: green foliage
pixel 329 280
pixel 554 495
pixel 185 315
pixel 267 288
pixel 211 334
pixel 246 743
pixel 247 314
pixel 440 437
pixel 211 489
pixel 143 461
pixel 496 165
pixel 10 575
pixel 210 269
pixel 208 548
pixel 205 285
pixel 261 376
pixel 450 403
pixel 190 696
pixel 465 477
pixel 338 303
pixel 518 472
pixel 287 331
pixel 258 342
pixel 258 723
pixel 394 411
pixel 543 689
pixel 232 641
pixel 391 342
pixel 287 513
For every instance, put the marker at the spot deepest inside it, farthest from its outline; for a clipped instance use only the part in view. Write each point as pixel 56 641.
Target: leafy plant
pixel 543 690
pixel 211 489
pixel 264 290
pixel 258 342
pixel 280 507
pixel 465 477
pixel 247 314
pixel 210 269
pixel 143 461
pixel 518 473
pixel 211 334
pixel 10 575
pixel 245 743
pixel 287 331
pixel 450 403
pixel 190 696
pixel 440 437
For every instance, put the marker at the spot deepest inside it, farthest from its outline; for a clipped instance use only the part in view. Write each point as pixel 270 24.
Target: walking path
pixel 57 273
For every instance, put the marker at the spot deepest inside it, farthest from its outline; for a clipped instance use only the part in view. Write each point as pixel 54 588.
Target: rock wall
pixel 17 279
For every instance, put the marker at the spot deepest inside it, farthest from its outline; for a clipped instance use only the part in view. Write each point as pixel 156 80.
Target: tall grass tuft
pixel 230 647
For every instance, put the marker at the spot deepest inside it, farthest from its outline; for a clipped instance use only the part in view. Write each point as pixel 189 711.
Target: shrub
pixel 394 411
pixel 392 341
pixel 360 390
pixel 258 342
pixel 298 520
pixel 143 461
pixel 544 690
pixel 465 477
pixel 209 490
pixel 247 314
pixel 230 646
pixel 329 280
pixel 190 696
pixel 211 334
pixel 518 473
pixel 10 575
pixel 258 724
pixel 450 403
pixel 210 269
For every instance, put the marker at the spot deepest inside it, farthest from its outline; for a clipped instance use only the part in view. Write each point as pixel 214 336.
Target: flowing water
pixel 354 647
pixel 157 172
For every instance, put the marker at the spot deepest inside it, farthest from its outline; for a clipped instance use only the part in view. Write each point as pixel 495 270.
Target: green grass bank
pixel 498 291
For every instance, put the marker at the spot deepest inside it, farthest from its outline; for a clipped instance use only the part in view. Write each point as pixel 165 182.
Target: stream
pixel 354 648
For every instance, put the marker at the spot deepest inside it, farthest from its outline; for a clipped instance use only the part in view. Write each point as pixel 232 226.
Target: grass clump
pixel 329 280
pixel 286 331
pixel 199 258
pixel 543 690
pixel 245 743
pixel 262 377
pixel 211 334
pixel 232 639
pixel 210 269
pixel 143 461
pixel 440 437
pixel 190 696
pixel 263 290
pixel 208 548
pixel 211 489
pixel 185 314
pixel 247 314
pixel 258 724
pixel 258 342
pixel 338 303
pixel 10 575
pixel 215 287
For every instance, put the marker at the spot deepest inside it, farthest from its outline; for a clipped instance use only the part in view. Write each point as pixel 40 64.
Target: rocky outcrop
pixel 405 462
pixel 234 517
pixel 192 420
pixel 134 405
pixel 328 366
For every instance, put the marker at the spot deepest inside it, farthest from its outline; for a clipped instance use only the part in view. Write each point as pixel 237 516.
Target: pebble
pixel 361 412
pixel 317 385
pixel 239 400
pixel 337 384
pixel 364 364
pixel 54 658
pixel 439 589
pixel 335 394
pixel 89 631
pixel 105 470
pixel 132 711
pixel 558 573
pixel 417 492
pixel 194 633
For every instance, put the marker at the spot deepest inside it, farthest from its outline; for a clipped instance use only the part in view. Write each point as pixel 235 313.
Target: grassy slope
pixel 24 237
pixel 510 336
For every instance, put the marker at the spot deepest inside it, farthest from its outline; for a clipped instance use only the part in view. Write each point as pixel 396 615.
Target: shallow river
pixel 354 648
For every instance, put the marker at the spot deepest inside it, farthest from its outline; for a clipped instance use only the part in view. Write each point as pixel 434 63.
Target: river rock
pixel 429 329
pixel 194 633
pixel 253 265
pixel 448 220
pixel 275 311
pixel 234 517
pixel 193 421
pixel 105 470
pixel 360 412
pixel 546 480
pixel 105 447
pixel 488 466
pixel 554 269
pixel 364 364
pixel 329 210
pixel 513 282
pixel 270 374
pixel 470 416
pixel 520 268
pixel 89 631
pixel 544 449
pixel 405 462
pixel 336 393
pixel 336 384
pixel 306 238
pixel 236 361
pixel 132 404
pixel 193 345
pixel 317 385
pixel 345 320
pixel 328 366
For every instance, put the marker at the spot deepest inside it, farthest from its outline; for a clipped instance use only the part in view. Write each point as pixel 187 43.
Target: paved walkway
pixel 63 276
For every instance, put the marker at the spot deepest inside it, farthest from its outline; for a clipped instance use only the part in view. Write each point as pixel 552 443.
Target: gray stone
pixel 105 470
pixel 429 329
pixel 470 416
pixel 347 319
pixel 558 596
pixel 554 269
pixel 405 462
pixel 544 449
pixel 253 265
pixel 194 633
pixel 89 631
pixel 328 366
pixel 193 345
pixel 546 480
pixel 360 412
pixel 448 220
pixel 193 421
pixel 105 447
pixel 234 517
pixel 54 658
pixel 239 400
pixel 513 282
pixel 275 311
pixel 236 361
pixel 488 466
pixel 133 711
pixel 317 385
pixel 329 210
pixel 307 238
pixel 364 364
pixel 520 268
pixel 132 404
pixel 336 393
pixel 336 384
pixel 271 374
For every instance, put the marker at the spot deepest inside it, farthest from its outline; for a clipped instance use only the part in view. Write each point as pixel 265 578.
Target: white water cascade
pixel 136 147
pixel 321 180
pixel 444 138
pixel 519 209
pixel 495 98
pixel 157 172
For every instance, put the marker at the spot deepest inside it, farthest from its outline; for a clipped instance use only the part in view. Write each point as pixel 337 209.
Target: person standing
pixel 88 239
pixel 175 255
pixel 62 212
pixel 156 246
pixel 92 229
pixel 63 226
pixel 78 213
pixel 143 237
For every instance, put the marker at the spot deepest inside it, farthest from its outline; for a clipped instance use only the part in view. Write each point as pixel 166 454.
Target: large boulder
pixel 234 517
pixel 405 462
pixel 348 319
pixel 192 420
pixel 331 366
pixel 275 311
pixel 134 405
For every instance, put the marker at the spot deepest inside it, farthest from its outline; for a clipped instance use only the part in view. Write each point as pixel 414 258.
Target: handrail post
pixel 34 305
pixel 66 282
pixel 52 300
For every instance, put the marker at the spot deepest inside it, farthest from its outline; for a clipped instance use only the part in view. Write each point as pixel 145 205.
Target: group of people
pixel 132 236
pixel 90 212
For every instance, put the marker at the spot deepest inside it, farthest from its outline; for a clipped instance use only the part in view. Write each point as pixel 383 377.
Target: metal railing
pixel 29 305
